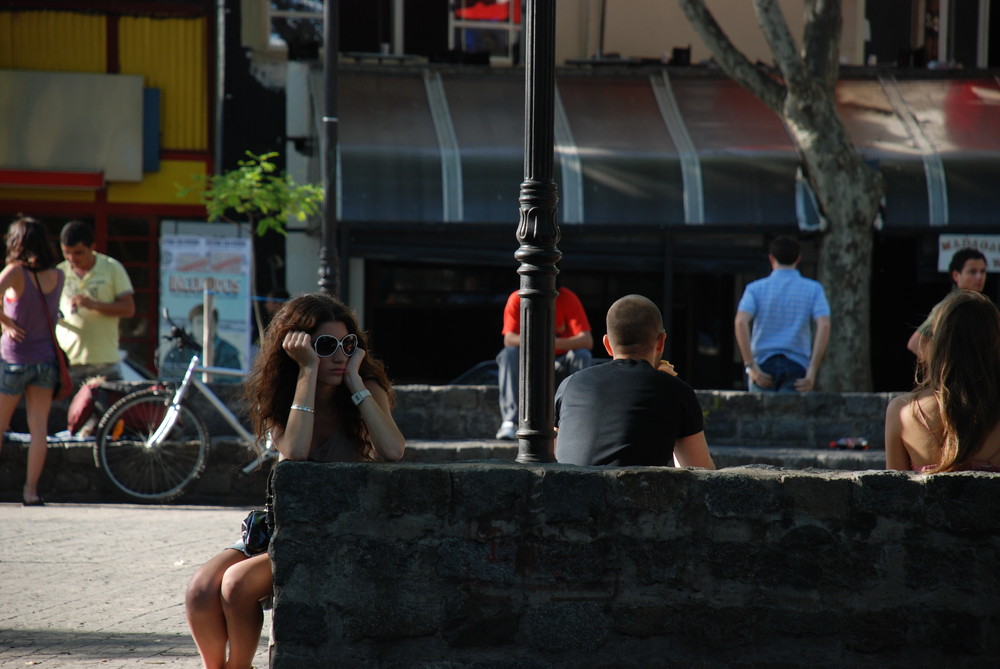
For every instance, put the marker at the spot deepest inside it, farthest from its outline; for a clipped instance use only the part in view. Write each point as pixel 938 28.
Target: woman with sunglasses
pixel 321 397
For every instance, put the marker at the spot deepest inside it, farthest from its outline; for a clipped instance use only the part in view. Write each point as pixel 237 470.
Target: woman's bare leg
pixel 203 604
pixel 243 586
pixel 38 402
pixel 7 405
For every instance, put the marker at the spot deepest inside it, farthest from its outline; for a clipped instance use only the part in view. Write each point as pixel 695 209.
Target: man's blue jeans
pixel 783 371
pixel 507 361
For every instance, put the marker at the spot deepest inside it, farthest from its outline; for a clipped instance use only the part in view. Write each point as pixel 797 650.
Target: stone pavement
pixel 102 585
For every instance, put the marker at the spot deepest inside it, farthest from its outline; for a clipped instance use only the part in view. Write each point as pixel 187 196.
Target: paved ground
pixel 102 585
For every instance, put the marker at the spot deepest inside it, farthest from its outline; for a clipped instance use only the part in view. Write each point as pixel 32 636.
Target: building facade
pixel 671 177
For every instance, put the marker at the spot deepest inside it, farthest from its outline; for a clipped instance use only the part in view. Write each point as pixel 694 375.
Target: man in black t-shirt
pixel 626 412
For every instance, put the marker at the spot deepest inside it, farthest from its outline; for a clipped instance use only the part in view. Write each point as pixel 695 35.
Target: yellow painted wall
pixel 171 55
pixel 59 41
pixel 160 187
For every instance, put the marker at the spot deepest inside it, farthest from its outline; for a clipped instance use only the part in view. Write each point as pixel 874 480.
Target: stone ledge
pixel 464 450
pixel 70 474
pixel 502 565
pixel 732 418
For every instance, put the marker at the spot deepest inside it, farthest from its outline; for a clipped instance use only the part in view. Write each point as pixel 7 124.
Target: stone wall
pixel 71 475
pixel 457 423
pixel 497 565
pixel 732 418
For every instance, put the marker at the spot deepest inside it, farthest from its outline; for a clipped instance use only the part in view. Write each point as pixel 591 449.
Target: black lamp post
pixel 538 234
pixel 329 262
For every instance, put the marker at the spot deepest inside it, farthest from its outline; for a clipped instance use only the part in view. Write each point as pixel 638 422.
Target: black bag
pixel 259 524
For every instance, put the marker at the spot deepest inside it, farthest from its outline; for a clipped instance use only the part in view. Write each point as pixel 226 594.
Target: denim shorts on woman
pixel 14 378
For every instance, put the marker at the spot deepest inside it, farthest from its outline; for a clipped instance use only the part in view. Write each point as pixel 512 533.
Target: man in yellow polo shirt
pixel 96 294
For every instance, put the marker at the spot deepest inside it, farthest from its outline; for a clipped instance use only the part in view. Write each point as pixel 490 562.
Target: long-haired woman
pixel 951 421
pixel 321 397
pixel 31 286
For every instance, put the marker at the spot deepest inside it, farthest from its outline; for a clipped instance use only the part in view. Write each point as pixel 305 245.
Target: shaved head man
pixel 626 412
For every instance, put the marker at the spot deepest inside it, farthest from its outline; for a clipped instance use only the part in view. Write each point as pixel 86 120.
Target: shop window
pixel 296 25
pixel 487 27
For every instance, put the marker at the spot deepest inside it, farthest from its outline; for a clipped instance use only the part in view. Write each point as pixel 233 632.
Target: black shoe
pixel 37 502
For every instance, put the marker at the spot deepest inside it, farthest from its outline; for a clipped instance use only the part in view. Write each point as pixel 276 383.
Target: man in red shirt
pixel 572 347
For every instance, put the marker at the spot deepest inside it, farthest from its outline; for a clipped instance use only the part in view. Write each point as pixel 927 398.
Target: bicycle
pixel 152 444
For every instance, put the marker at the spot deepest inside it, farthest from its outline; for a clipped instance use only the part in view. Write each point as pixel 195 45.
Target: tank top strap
pixel 29 283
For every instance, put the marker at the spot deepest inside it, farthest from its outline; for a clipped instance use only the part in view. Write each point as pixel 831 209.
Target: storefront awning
pixel 446 146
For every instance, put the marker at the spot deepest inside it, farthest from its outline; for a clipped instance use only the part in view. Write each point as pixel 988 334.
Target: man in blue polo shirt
pixel 778 356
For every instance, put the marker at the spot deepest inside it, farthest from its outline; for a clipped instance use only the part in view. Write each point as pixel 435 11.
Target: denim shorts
pixel 14 378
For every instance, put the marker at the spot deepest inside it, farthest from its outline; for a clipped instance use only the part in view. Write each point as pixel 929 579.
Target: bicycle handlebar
pixel 221 371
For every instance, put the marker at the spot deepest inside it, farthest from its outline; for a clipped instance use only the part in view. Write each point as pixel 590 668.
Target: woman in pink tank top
pixel 30 287
pixel 951 421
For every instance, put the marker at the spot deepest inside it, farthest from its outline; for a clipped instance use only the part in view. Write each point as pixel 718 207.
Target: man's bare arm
pixel 122 307
pixel 820 341
pixel 580 340
pixel 742 329
pixel 692 451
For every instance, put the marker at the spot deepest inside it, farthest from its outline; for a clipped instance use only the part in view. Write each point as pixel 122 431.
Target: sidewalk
pixel 103 585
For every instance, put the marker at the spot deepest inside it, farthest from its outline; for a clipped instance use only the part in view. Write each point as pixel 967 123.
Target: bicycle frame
pixel 191 378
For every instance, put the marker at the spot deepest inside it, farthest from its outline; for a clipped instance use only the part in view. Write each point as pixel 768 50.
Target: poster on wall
pixel 988 245
pixel 190 265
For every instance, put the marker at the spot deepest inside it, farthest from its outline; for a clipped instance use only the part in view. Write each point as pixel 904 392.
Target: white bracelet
pixel 360 396
pixel 303 407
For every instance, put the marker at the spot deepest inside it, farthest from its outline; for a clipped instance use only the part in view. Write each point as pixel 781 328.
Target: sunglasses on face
pixel 327 345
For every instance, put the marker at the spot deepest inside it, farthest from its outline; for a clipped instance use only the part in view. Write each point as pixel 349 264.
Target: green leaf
pixel 257 191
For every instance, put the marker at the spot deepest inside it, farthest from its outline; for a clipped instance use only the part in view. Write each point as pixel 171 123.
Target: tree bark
pixel 848 191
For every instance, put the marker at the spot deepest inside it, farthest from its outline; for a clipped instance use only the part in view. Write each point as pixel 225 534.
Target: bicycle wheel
pixel 150 473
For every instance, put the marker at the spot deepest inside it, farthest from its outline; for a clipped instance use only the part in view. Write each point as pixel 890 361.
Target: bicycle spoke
pixel 151 473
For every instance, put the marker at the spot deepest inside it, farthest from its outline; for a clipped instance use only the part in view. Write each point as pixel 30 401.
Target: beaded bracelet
pixel 303 407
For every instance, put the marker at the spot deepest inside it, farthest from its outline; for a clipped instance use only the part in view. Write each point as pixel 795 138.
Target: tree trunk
pixel 848 192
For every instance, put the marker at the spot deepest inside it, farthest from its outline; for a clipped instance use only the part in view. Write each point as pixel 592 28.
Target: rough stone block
pixel 482 620
pixel 395 491
pixel 480 491
pixel 554 566
pixel 738 494
pixel 576 562
pixel 656 561
pixel 569 495
pixel 563 626
pixel 963 502
pixel 818 496
pixel 644 621
pixel 411 612
pixel 889 493
pixel 488 559
pixel 645 489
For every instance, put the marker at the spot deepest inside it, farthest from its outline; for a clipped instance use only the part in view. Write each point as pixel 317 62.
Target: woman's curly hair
pixel 270 387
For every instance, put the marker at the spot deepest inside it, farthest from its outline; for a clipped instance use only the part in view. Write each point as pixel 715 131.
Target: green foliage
pixel 257 191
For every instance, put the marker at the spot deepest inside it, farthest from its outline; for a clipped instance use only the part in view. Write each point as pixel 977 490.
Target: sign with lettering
pixel 190 265
pixel 988 245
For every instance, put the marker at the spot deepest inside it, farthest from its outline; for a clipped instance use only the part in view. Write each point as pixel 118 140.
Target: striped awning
pixel 446 146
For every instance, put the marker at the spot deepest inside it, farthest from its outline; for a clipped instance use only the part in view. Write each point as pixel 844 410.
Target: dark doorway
pixel 431 323
pixel 701 341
